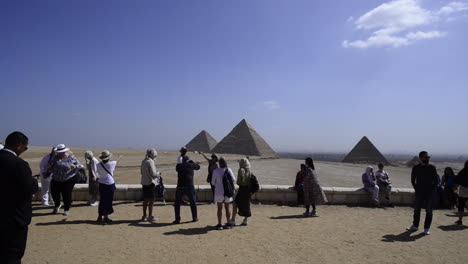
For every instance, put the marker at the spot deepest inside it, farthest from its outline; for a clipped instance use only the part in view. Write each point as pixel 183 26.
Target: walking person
pixel 299 184
pixel 64 167
pixel 212 165
pixel 425 180
pixel 370 184
pixel 384 183
pixel 313 192
pixel 18 186
pixel 248 184
pixel 105 170
pixel 93 184
pixel 150 177
pixel 462 181
pixel 450 187
pixel 45 176
pixel 185 174
pixel 220 198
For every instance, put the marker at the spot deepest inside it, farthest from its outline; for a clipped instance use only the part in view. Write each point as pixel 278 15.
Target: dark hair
pixel 303 166
pixel 310 162
pixel 16 138
pixel 450 170
pixel 222 163
pixel 52 152
pixel 185 158
pixel 380 165
pixel 422 153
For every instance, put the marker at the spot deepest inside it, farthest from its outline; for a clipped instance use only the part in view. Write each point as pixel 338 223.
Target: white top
pixel 92 168
pixel 104 176
pixel 44 164
pixel 217 181
pixel 179 160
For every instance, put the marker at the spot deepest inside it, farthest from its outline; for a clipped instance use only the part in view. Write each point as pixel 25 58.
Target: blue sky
pixel 308 75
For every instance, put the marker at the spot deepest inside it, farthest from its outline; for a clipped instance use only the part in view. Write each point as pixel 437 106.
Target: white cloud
pixel 271 105
pixel 391 22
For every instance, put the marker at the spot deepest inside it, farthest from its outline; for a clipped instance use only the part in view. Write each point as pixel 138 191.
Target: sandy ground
pixel 276 234
pixel 268 171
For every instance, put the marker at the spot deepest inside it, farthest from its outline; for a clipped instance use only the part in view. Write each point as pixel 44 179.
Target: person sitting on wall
pixel 384 183
pixel 370 185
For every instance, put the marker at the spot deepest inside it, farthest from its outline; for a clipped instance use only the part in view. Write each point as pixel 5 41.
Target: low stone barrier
pixel 282 194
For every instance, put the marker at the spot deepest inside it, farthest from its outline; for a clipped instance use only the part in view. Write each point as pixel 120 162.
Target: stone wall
pixel 278 194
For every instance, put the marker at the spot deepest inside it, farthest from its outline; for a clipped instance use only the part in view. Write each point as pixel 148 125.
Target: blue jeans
pixel 190 192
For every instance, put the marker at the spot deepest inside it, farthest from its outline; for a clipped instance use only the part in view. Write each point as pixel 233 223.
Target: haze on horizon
pixel 310 76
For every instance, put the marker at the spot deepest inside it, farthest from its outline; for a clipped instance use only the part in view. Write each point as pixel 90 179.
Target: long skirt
pixel 243 201
pixel 107 196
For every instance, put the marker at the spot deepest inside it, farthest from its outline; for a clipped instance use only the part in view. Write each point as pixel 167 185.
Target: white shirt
pixel 44 164
pixel 104 176
pixel 179 160
pixel 217 181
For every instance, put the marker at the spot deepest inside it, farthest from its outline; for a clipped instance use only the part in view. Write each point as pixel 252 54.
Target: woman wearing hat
pixel 63 167
pixel 149 179
pixel 105 170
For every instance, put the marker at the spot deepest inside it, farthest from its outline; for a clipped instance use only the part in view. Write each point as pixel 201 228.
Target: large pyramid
pixel 365 152
pixel 244 140
pixel 203 142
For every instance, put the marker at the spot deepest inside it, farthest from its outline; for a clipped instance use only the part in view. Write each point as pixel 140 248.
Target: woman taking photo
pixel 105 170
pixel 64 167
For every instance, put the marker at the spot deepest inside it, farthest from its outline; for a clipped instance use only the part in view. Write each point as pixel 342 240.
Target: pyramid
pixel 413 162
pixel 203 142
pixel 365 152
pixel 244 140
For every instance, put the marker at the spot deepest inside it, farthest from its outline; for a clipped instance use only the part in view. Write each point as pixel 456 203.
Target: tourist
pixel 384 183
pixel 220 198
pixel 313 193
pixel 425 180
pixel 18 186
pixel 105 170
pixel 245 180
pixel 183 152
pixel 449 187
pixel 64 167
pixel 45 176
pixel 462 180
pixel 299 184
pixel 93 184
pixel 370 186
pixel 212 165
pixel 150 177
pixel 185 173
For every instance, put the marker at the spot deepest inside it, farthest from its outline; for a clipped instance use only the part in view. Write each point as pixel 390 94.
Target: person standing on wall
pixel 19 186
pixel 425 180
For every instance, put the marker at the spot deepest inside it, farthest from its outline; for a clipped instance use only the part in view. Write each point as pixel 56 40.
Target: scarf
pixel 243 175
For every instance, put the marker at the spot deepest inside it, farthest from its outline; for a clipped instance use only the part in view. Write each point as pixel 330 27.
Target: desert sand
pixel 276 234
pixel 268 171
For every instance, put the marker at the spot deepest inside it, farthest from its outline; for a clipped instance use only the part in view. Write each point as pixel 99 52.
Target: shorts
pixel 223 199
pixel 149 191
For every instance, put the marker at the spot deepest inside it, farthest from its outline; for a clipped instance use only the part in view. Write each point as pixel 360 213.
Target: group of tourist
pixel 60 171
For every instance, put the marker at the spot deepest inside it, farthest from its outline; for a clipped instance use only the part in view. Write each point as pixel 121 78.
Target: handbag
pixel 160 189
pixel 81 176
pixel 254 186
pixel 228 184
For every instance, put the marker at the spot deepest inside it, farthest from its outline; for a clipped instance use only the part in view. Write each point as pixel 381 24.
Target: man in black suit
pixel 18 186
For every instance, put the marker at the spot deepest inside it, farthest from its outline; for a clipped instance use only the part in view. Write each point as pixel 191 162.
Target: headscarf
pixel 151 153
pixel 88 154
pixel 243 175
pixel 368 173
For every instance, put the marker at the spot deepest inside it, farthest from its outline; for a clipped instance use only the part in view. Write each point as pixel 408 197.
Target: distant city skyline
pixel 310 76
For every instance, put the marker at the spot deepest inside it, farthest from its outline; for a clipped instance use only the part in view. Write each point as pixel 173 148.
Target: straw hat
pixel 105 155
pixel 61 148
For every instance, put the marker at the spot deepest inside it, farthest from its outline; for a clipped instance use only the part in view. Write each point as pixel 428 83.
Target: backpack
pixel 81 176
pixel 160 190
pixel 254 186
pixel 462 178
pixel 228 184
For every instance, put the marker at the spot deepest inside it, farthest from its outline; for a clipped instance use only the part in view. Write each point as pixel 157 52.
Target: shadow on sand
pixel 86 222
pixel 191 231
pixel 282 217
pixel 453 227
pixel 403 237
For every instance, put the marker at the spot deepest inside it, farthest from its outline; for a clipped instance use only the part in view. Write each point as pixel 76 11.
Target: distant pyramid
pixel 365 152
pixel 413 162
pixel 244 140
pixel 203 142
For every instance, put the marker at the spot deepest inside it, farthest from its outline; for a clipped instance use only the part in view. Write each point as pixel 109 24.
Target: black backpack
pixel 228 184
pixel 254 186
pixel 462 178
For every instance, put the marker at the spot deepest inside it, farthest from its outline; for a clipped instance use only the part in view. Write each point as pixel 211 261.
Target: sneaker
pixel 314 213
pixel 66 213
pixel 152 219
pixel 94 204
pixel 176 222
pixel 306 213
pixel 412 228
pixel 227 226
pixel 219 227
pixel 459 222
pixel 195 219
pixel 45 204
pixel 107 220
pixel 99 220
pixel 245 222
pixel 144 218
pixel 56 209
pixel 426 231
pixel 231 223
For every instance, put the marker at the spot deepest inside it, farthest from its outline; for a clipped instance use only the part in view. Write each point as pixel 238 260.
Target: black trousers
pixel 65 189
pixel 12 244
pixel 190 192
pixel 424 198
